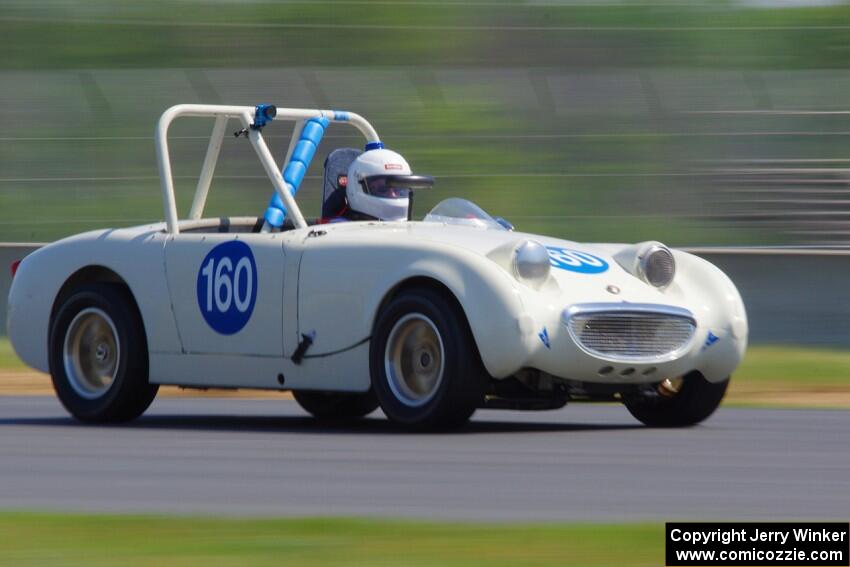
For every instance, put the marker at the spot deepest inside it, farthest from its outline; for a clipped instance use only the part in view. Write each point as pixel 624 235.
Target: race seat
pixel 334 202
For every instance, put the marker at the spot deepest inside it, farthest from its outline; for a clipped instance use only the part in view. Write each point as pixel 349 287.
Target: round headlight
pixel 531 262
pixel 656 266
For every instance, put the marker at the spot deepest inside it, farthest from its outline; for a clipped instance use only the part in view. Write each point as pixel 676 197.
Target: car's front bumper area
pixel 631 343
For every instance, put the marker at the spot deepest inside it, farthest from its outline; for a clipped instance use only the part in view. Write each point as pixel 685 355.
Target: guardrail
pixel 9 252
pixel 794 295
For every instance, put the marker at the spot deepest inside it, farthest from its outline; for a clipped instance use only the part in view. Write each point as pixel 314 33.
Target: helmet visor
pixel 395 186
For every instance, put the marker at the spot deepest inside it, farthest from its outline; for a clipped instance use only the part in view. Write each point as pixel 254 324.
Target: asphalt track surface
pixel 264 457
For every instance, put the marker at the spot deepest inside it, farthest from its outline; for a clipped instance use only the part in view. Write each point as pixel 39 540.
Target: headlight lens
pixel 656 266
pixel 531 262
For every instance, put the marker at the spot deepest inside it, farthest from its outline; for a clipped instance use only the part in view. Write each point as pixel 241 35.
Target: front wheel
pixel 681 402
pixel 425 367
pixel 336 406
pixel 99 357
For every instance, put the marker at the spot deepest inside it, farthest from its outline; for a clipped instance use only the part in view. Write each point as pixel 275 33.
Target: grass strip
pixel 94 540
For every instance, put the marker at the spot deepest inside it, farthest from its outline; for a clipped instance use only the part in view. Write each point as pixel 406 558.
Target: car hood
pixel 587 272
pixel 480 240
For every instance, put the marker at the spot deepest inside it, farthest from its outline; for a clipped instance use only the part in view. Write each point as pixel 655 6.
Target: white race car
pixel 429 320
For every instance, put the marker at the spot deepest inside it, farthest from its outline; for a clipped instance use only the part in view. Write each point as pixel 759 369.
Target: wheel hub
pixel 414 359
pixel 101 353
pixel 91 353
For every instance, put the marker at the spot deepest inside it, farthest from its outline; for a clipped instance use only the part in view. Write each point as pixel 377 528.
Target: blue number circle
pixel 227 287
pixel 576 261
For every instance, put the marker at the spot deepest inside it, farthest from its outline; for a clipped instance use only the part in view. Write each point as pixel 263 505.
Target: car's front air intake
pixel 630 332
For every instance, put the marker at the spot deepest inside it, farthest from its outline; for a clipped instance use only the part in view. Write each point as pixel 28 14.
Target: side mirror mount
pixel 505 224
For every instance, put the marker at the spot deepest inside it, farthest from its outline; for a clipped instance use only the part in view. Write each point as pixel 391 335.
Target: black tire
pixel 336 406
pixel 459 388
pixel 696 400
pixel 129 394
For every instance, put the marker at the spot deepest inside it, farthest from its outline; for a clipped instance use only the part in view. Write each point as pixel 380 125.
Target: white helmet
pixel 370 188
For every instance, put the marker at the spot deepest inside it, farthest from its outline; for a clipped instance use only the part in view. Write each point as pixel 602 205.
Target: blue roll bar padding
pixel 296 168
pixel 274 216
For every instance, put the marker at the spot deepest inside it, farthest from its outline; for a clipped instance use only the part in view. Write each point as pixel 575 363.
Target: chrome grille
pixel 622 334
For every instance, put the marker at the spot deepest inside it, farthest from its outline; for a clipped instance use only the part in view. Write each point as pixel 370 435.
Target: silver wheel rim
pixel 414 360
pixel 91 353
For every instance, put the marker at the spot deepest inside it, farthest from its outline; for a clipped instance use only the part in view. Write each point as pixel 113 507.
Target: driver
pixel 378 187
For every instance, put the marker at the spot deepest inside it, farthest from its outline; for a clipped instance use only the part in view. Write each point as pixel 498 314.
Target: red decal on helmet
pixel 393 166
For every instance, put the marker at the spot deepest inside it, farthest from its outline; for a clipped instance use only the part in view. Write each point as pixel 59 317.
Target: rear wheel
pixel 426 370
pixel 336 406
pixel 99 357
pixel 680 403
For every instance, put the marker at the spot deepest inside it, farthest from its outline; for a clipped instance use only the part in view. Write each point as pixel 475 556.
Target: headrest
pixel 336 178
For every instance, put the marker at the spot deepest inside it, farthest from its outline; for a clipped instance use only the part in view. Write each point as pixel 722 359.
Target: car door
pixel 227 292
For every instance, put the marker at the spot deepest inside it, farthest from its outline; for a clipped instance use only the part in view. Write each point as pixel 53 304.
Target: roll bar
pixel 252 120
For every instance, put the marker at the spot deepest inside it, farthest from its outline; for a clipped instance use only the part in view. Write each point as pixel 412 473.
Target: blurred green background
pixel 713 122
